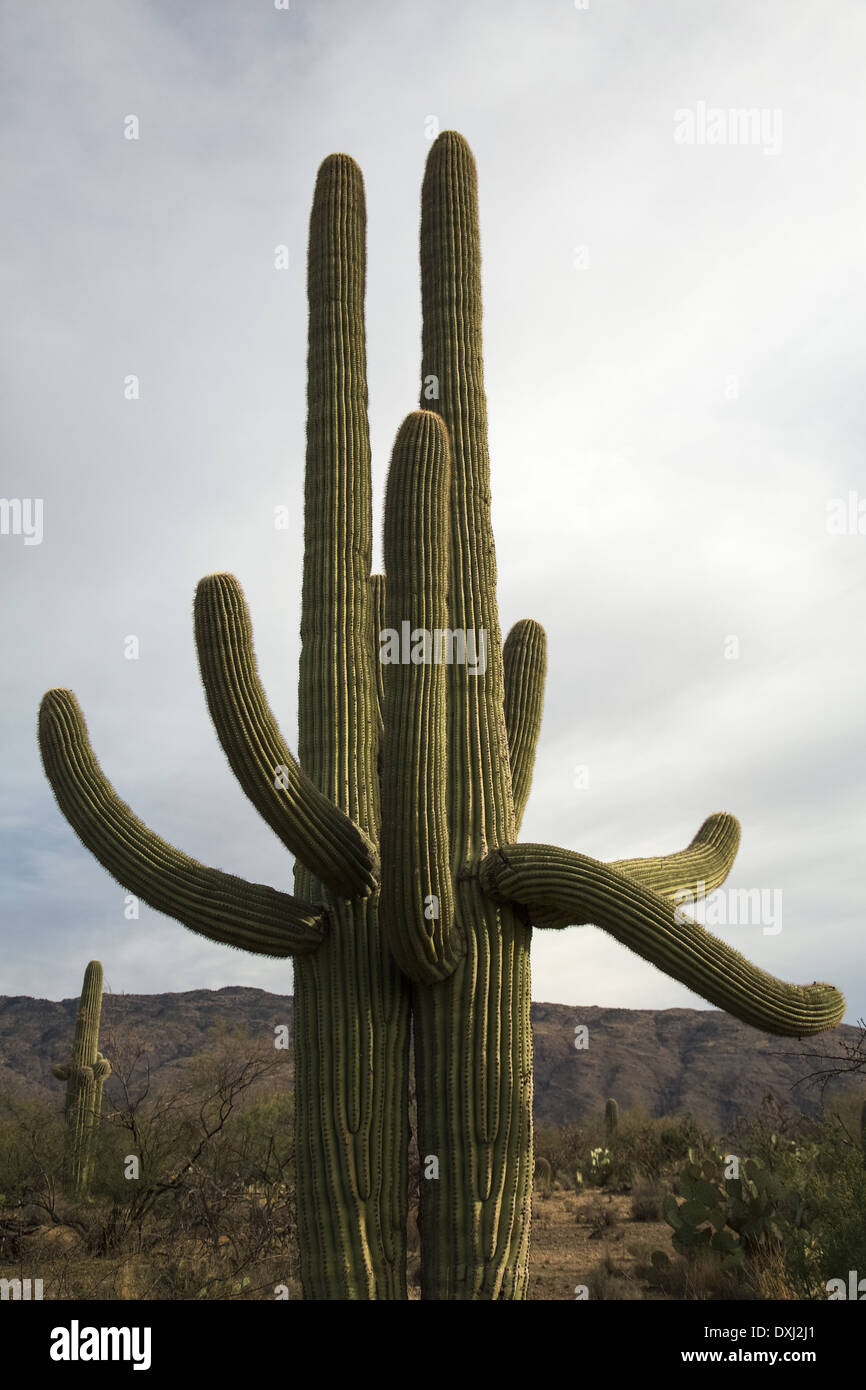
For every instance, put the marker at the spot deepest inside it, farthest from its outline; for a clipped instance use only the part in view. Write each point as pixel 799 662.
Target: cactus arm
pixel 559 888
pixel 351 1002
pixel 417 907
pixel 101 1068
pixel 337 685
pixel 479 774
pixel 219 906
pixel 377 620
pixel 326 841
pixel 692 872
pixel 524 658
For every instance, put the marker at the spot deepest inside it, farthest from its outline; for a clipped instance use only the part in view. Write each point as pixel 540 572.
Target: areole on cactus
pixel 85 1075
pixel 413 899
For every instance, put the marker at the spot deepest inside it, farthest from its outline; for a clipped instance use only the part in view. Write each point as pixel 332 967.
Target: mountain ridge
pixel 670 1060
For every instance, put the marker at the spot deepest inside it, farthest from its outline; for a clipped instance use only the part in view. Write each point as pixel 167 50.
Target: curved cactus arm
pixel 559 888
pixel 692 872
pixel 524 657
pixel 325 840
pixel 417 904
pixel 250 916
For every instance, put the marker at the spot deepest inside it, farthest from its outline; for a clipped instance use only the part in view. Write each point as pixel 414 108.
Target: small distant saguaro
pixel 611 1119
pixel 84 1075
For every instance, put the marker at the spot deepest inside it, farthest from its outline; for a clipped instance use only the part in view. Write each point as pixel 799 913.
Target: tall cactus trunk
pixel 85 1075
pixel 351 1002
pixel 472 1031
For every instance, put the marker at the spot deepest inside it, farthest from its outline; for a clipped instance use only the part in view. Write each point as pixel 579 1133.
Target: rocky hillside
pixel 699 1060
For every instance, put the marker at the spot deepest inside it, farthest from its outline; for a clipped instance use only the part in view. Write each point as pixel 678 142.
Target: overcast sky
pixel 673 335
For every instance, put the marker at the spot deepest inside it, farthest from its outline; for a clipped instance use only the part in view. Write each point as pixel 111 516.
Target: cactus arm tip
pixel 250 916
pixel 325 840
pixel 560 888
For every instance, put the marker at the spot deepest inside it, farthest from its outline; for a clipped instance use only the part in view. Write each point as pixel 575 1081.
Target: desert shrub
pixel 32 1140
pixel 646 1202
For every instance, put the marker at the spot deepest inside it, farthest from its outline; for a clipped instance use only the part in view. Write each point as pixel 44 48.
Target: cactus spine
pixel 611 1120
pixel 404 806
pixel 84 1075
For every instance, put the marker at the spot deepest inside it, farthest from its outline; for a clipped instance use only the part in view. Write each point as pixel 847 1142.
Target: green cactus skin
pixel 351 1003
pixel 863 1132
pixel 85 1075
pixel 611 1119
pixel 403 807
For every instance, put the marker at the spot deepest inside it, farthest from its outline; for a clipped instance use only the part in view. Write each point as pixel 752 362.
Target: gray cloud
pixel 667 423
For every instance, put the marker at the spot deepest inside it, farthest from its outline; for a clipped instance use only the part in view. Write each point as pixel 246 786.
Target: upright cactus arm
pixel 417 906
pixel 101 1068
pixel 326 841
pixel 524 656
pixel 559 888
pixel 250 916
pixel 692 872
pixel 480 797
pixel 337 683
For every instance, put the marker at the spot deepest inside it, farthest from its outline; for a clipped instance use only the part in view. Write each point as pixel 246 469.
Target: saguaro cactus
pixel 611 1119
pixel 84 1075
pixel 405 803
pixel 863 1131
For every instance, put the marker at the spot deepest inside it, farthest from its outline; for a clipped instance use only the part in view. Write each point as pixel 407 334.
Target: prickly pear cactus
pixel 731 1215
pixel 84 1075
